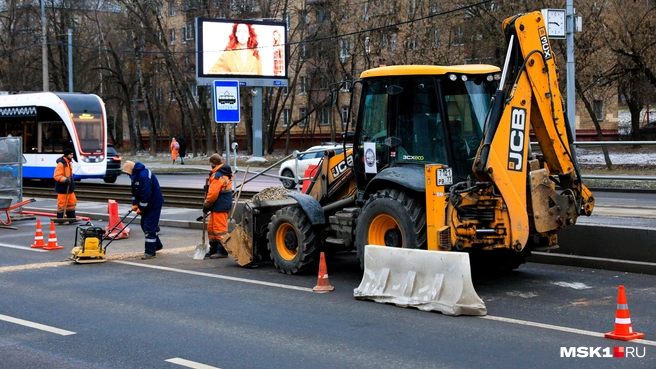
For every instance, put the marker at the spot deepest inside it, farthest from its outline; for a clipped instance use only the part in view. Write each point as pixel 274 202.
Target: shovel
pixel 202 248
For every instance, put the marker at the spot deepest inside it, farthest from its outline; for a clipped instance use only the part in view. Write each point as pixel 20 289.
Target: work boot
pixel 147 256
pixel 70 214
pixel 214 248
pixel 60 214
pixel 220 252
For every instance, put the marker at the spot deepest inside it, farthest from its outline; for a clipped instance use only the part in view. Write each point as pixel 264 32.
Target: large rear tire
pixel 294 244
pixel 391 218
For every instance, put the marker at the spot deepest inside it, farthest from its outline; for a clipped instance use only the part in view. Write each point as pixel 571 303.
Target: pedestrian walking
pixel 183 149
pixel 175 147
pixel 218 203
pixel 147 200
pixel 64 185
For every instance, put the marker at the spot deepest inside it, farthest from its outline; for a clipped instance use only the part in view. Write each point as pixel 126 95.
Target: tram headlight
pixel 84 158
pixel 101 157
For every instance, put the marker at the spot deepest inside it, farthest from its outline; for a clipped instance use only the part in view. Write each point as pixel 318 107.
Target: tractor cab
pixel 409 116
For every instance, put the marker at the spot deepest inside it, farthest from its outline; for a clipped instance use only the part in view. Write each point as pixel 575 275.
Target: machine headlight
pixel 453 77
pixel 463 78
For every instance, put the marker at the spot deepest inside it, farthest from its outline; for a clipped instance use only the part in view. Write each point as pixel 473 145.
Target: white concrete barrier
pixel 426 280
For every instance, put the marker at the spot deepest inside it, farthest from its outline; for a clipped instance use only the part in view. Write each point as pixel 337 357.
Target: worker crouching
pixel 218 203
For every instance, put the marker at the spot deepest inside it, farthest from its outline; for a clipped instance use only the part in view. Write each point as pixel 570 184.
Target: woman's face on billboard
pixel 242 34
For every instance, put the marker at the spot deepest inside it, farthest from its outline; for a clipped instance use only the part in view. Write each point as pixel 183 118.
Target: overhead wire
pixel 339 36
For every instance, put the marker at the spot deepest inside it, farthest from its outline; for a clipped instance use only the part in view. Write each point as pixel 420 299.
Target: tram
pixel 50 122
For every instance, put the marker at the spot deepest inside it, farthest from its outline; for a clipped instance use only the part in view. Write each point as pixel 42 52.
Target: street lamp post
pixel 44 48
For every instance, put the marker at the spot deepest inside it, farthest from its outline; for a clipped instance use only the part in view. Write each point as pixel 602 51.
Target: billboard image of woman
pixel 241 56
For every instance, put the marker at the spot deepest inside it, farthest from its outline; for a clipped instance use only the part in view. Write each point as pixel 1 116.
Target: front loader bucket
pixel 239 246
pixel 426 280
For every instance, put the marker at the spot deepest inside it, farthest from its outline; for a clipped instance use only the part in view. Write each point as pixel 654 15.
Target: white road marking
pixel 21 247
pixel 189 363
pixel 286 286
pixel 42 327
pixel 558 328
pixel 574 285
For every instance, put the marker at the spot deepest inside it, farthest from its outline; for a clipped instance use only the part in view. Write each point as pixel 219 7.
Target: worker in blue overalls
pixel 147 200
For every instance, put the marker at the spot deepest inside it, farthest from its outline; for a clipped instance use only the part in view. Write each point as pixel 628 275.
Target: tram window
pixel 54 137
pixel 20 128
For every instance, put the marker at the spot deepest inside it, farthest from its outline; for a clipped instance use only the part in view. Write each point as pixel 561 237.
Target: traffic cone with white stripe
pixel 38 237
pixel 623 328
pixel 52 238
pixel 323 284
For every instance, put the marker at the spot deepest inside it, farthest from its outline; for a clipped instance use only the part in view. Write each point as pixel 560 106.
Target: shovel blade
pixel 239 246
pixel 200 252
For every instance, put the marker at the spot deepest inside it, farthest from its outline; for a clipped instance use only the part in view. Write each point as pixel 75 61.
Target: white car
pixel 311 156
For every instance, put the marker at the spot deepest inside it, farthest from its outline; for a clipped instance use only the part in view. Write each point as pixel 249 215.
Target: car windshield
pixel 111 151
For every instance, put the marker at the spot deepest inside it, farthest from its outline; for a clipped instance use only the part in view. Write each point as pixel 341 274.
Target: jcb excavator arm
pixel 529 94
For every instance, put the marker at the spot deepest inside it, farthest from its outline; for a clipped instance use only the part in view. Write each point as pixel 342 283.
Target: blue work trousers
pixel 149 223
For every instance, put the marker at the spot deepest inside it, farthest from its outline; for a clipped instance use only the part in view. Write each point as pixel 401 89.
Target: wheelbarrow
pixel 5 203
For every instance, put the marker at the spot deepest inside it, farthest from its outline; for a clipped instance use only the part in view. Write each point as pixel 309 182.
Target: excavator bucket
pixel 425 279
pixel 239 246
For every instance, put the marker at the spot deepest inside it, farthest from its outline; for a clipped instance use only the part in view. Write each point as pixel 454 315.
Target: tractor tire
pixel 391 218
pixel 294 244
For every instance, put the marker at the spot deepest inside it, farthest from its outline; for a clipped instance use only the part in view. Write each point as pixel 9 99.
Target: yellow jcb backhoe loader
pixel 440 162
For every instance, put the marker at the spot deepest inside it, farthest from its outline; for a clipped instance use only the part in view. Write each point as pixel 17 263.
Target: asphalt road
pixel 156 313
pixel 174 312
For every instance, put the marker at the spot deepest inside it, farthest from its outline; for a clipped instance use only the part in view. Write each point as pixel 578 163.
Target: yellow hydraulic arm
pixel 531 97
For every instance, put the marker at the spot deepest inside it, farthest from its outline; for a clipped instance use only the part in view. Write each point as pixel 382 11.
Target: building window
pixel 190 31
pixel 171 96
pixel 194 90
pixel 598 107
pixel 302 114
pixel 412 7
pixel 285 90
pixel 367 44
pixel 412 44
pixel 323 116
pixel 435 38
pixel 171 8
pixel 285 117
pixel 434 6
pixel 172 36
pixel 458 36
pixel 345 111
pixel 346 83
pixel 183 35
pixel 302 51
pixel 159 36
pixel 158 94
pixel 302 85
pixel 344 49
pixel 286 17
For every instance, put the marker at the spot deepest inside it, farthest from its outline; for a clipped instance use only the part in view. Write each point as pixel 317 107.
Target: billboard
pixel 241 49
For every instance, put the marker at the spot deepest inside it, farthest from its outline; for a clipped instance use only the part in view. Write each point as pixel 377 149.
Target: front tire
pixel 294 244
pixel 289 184
pixel 391 218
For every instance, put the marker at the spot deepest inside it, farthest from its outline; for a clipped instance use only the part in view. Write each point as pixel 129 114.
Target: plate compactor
pixel 89 241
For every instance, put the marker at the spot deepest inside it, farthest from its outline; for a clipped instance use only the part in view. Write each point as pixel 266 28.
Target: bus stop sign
pixel 226 101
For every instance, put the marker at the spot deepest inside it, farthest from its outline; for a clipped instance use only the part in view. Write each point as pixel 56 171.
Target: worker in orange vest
pixel 218 203
pixel 64 186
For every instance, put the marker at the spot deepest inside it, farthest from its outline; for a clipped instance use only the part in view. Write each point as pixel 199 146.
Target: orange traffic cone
pixel 38 237
pixel 623 329
pixel 115 228
pixel 323 284
pixel 52 238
